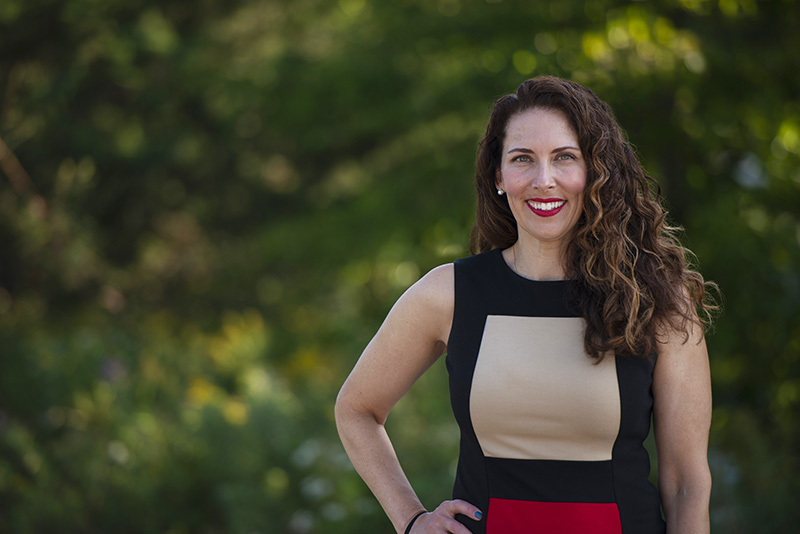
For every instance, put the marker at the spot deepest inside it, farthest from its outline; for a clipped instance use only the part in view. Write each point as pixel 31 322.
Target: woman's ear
pixel 498 182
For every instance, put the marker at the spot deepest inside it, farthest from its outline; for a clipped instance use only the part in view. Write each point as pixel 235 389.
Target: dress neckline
pixel 506 267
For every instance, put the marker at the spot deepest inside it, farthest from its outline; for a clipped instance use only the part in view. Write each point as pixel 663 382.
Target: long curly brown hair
pixel 634 277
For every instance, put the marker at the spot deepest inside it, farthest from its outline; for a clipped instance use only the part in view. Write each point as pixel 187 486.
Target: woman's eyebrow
pixel 529 151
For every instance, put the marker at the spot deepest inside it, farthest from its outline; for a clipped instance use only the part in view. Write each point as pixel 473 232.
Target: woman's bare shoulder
pixel 439 278
pixel 436 289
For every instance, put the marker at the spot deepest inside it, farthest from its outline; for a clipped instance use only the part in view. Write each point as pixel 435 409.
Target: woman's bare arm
pixel 411 339
pixel 682 417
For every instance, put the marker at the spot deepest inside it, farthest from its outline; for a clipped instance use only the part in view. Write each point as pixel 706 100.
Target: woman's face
pixel 543 174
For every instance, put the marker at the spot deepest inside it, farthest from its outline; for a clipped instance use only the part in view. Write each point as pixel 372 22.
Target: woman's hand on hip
pixel 443 519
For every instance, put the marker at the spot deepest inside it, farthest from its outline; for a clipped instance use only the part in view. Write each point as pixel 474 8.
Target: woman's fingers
pixel 458 506
pixel 442 519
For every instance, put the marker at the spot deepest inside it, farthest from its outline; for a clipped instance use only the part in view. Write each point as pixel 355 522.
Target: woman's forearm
pixel 369 448
pixel 686 510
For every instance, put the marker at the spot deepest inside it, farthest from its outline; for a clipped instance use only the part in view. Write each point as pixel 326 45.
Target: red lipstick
pixel 545 207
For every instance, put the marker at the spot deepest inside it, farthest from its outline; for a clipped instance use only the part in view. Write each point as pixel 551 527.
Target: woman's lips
pixel 546 207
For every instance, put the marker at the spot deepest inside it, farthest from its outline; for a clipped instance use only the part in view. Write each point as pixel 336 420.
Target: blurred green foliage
pixel 206 209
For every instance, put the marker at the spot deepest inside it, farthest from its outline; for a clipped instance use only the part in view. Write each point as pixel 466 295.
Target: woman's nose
pixel 543 178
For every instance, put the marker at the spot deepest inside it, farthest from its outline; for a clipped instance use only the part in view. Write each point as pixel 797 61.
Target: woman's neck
pixel 536 261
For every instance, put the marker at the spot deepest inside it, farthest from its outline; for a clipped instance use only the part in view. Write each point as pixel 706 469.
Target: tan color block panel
pixel 537 395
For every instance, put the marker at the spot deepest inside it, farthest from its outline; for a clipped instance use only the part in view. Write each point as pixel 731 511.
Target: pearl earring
pixel 501 192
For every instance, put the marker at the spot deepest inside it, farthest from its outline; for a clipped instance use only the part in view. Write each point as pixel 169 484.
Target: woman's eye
pixel 522 158
pixel 563 157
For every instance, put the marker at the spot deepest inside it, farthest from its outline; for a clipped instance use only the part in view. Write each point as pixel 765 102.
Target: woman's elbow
pixel 341 409
pixel 694 483
pixel 348 411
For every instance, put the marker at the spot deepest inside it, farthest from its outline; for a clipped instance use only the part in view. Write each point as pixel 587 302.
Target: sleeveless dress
pixel 551 441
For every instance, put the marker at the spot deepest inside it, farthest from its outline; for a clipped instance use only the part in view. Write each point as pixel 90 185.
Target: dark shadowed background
pixel 207 208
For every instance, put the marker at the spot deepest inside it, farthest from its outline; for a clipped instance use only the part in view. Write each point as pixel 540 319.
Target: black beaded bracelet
pixel 411 523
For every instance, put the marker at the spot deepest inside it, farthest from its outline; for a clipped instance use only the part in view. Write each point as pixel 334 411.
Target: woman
pixel 576 320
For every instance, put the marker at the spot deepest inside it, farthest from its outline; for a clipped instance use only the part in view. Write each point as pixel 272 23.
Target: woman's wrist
pixel 413 519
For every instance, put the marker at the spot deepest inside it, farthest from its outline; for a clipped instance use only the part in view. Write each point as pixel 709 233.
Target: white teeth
pixel 546 206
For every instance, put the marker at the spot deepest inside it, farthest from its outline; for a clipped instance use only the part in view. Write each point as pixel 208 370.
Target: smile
pixel 545 208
